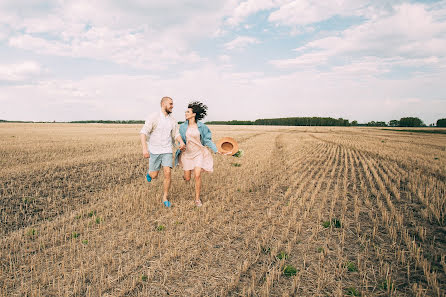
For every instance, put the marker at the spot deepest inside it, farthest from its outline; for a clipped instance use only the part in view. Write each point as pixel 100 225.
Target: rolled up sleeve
pixel 177 130
pixel 147 127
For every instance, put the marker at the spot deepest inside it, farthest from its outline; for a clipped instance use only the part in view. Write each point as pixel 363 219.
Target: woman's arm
pixel 207 137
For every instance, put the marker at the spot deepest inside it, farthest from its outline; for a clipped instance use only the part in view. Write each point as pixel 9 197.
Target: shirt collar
pixel 163 116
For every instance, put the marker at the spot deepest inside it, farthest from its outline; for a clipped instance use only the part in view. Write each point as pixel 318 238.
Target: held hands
pixel 182 147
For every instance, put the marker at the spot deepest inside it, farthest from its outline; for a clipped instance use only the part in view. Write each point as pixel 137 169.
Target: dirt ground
pixel 306 211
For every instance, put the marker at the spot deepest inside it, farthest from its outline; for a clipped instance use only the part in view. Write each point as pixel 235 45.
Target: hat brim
pixel 227 145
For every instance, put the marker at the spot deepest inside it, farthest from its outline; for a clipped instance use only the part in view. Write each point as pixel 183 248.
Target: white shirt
pixel 160 141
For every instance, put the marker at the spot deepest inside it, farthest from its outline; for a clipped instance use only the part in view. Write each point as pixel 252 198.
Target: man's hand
pixel 182 147
pixel 146 154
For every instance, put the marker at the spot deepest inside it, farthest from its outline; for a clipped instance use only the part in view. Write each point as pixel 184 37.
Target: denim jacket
pixel 205 138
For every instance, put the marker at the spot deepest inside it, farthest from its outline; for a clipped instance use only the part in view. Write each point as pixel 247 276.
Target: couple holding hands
pixel 158 136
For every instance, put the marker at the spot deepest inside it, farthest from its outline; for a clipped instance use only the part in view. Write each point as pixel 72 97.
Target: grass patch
pixel 91 213
pixel 236 164
pixel 75 235
pixel 31 232
pixel 418 131
pixel 352 292
pixel 289 270
pixel 144 278
pixel 351 266
pixel 160 228
pixel 385 285
pixel 85 241
pixel 239 154
pixel 98 220
pixel 282 255
pixel 326 224
pixel 334 222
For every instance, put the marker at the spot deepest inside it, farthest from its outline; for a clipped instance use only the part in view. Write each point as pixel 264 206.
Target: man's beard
pixel 167 111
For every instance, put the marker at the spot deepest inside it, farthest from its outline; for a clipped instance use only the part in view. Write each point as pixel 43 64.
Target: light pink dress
pixel 195 155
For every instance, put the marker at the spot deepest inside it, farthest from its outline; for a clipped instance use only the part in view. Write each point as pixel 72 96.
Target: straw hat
pixel 227 144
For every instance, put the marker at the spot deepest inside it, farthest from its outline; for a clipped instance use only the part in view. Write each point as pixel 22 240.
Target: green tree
pixel 441 123
pixel 394 123
pixel 411 122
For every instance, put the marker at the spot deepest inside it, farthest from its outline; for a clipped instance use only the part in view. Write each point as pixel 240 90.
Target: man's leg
pixel 167 175
pixel 153 174
pixel 154 166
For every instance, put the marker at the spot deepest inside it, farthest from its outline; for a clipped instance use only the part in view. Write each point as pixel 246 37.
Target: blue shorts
pixel 156 160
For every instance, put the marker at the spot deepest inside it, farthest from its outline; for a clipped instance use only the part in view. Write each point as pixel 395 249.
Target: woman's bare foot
pixel 198 203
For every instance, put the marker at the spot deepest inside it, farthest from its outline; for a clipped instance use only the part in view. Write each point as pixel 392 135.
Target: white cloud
pixel 246 8
pixel 409 36
pixel 303 93
pixel 141 34
pixel 304 12
pixel 310 59
pixel 240 42
pixel 19 71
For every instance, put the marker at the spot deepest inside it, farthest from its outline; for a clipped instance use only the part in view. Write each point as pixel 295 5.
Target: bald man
pixel 158 137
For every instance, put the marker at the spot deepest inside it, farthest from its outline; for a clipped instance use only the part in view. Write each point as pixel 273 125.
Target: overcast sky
pixel 110 59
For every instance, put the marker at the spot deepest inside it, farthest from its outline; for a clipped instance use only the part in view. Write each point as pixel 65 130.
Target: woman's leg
pixel 187 175
pixel 197 175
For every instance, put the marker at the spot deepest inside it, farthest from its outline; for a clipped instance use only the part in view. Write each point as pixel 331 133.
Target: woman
pixel 195 157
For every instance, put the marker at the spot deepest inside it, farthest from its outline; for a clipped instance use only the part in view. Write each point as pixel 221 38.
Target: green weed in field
pixel 385 285
pixel 351 266
pixel 282 255
pixel 334 222
pixel 352 292
pixel 289 270
pixel 31 232
pixel 160 228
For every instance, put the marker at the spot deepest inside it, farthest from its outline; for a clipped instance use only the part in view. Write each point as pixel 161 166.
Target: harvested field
pixel 308 211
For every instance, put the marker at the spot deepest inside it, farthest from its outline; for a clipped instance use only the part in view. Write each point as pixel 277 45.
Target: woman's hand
pixel 182 147
pixel 224 154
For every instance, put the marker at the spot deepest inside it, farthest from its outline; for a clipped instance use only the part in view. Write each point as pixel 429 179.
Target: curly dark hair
pixel 199 109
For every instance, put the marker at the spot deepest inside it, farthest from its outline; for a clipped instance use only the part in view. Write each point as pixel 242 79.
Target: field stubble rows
pixel 353 211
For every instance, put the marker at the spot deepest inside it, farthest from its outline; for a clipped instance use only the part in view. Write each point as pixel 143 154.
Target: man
pixel 157 138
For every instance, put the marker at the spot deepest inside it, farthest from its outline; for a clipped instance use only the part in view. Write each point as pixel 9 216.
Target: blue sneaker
pixel 167 203
pixel 149 179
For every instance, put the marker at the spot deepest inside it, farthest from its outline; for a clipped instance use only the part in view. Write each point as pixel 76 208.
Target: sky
pixel 66 60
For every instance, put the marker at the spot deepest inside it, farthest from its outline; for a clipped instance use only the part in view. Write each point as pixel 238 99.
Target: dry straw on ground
pixel 309 212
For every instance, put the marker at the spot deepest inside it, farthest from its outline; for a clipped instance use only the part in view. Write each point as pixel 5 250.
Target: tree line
pixel 327 121
pixel 291 121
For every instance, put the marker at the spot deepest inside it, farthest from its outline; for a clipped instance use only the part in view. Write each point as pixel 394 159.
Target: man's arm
pixel 145 131
pixel 182 144
pixel 145 150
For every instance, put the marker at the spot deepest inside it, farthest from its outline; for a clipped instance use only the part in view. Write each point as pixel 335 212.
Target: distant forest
pixel 292 121
pixel 320 121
